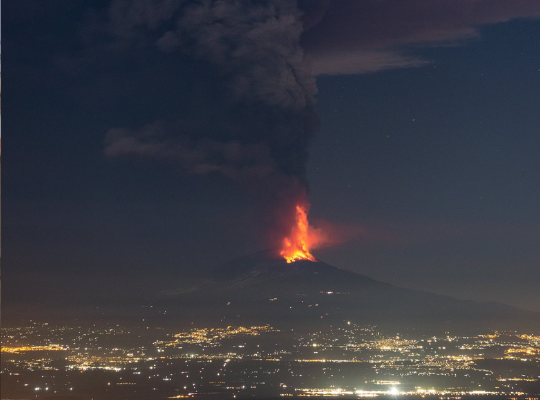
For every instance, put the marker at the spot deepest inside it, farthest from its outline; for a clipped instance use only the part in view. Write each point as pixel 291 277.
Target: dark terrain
pixel 265 289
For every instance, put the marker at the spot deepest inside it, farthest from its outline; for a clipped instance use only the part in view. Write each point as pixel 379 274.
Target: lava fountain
pixel 296 245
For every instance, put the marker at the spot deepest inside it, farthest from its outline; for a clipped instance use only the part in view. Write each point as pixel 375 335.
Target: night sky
pixel 414 124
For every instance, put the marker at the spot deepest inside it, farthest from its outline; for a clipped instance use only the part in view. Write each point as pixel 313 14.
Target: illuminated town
pixel 350 360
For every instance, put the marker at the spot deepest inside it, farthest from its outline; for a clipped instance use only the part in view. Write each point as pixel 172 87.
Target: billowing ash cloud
pixel 259 130
pixel 265 118
pixel 259 118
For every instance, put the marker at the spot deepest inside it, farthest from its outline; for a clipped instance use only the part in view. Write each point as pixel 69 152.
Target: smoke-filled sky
pixel 150 141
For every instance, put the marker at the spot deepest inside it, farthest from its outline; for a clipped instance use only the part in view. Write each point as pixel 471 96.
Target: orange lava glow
pixel 296 246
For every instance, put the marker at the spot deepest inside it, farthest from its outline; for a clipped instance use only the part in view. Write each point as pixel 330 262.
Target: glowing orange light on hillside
pixel 296 246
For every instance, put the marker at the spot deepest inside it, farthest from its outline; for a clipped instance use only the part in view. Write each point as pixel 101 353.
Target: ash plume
pixel 258 117
pixel 265 119
pixel 259 132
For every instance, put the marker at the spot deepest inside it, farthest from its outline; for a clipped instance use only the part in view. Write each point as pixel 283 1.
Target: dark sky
pixel 418 127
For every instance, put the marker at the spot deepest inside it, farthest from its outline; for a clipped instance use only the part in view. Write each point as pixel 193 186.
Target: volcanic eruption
pixel 296 245
pixel 257 129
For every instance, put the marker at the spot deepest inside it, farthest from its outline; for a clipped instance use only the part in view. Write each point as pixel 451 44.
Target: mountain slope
pixel 264 289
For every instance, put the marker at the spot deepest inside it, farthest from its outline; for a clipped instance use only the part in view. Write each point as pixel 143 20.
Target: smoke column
pixel 260 132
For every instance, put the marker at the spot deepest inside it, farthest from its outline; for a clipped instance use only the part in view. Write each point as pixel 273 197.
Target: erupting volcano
pixel 296 245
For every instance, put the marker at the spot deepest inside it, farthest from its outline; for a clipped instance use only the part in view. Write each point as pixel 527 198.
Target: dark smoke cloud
pixel 260 118
pixel 266 116
pixel 256 49
pixel 353 36
pixel 259 126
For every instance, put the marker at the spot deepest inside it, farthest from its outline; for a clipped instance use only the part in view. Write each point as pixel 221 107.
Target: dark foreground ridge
pixel 262 288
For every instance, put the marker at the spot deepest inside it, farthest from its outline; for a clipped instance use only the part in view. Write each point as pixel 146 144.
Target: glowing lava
pixel 296 246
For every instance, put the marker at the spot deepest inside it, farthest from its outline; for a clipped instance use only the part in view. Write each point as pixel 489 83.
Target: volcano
pixel 265 288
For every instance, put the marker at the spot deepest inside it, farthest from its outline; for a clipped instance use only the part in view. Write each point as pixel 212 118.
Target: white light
pixel 394 391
